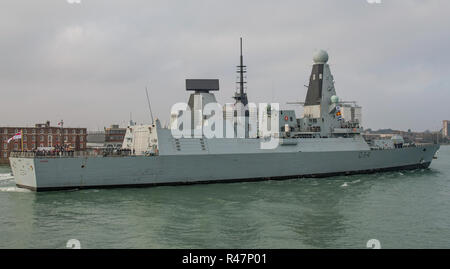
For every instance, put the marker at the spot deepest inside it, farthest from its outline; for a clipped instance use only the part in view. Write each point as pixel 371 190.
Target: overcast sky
pixel 89 63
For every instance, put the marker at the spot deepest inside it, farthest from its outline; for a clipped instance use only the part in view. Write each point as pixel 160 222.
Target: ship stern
pixel 24 173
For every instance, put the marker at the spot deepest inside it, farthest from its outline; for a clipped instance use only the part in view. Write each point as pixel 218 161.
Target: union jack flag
pixel 16 136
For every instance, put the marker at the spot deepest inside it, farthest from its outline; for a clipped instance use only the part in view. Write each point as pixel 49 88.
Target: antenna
pixel 149 106
pixel 241 73
pixel 241 96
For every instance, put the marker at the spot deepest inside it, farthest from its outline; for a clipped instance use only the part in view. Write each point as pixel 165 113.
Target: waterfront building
pixel 41 136
pixel 114 136
pixel 445 128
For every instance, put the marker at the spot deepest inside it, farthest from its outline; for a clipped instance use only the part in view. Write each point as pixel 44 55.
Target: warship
pixel 326 140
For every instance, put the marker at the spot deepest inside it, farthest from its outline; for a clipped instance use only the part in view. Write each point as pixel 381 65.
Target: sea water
pixel 403 209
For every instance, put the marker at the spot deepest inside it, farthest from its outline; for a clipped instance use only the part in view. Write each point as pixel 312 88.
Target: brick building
pixel 114 136
pixel 40 136
pixel 445 128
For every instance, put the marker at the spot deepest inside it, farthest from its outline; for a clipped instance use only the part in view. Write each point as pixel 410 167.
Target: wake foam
pixel 6 176
pixel 13 189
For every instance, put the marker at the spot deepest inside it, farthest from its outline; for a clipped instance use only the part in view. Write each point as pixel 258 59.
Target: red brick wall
pixel 37 133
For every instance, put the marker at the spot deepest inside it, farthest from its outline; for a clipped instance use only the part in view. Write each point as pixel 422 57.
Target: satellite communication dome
pixel 334 99
pixel 320 57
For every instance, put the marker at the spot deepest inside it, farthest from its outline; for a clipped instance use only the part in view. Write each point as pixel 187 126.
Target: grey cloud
pixel 88 63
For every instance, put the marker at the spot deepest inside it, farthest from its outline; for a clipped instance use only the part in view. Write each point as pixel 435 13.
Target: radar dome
pixel 320 57
pixel 334 99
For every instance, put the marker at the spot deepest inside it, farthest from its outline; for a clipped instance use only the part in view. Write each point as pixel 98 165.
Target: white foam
pixel 344 185
pixel 13 189
pixel 6 176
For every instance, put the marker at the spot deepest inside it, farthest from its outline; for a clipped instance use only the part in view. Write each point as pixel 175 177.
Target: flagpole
pixel 21 137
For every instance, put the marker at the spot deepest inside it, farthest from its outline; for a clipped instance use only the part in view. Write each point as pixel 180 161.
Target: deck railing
pixel 69 154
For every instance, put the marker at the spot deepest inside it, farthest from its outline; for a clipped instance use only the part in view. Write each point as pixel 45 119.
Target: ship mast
pixel 241 69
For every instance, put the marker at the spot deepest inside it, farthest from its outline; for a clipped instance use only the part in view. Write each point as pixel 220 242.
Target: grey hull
pixel 44 174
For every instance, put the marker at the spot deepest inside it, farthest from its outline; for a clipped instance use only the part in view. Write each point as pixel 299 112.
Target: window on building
pixel 81 139
pixel 33 138
pixel 25 138
pixel 25 131
pixel 5 154
pixel 41 131
pixel 5 146
pixel 16 131
pixel 320 76
pixel 16 146
pixel 66 131
pixel 34 131
pixel 5 131
pixel 42 138
pixel 66 138
pixel 73 131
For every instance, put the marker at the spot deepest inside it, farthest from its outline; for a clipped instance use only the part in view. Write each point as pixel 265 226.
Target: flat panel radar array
pixel 202 85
